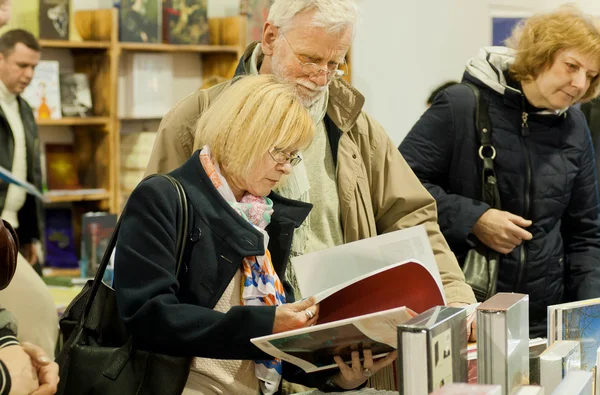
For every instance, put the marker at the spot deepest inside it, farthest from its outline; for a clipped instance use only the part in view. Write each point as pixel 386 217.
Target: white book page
pixel 380 326
pixel 319 271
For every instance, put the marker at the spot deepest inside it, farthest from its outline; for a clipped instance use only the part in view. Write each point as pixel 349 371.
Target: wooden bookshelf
pixel 68 198
pixel 75 44
pixel 99 55
pixel 74 121
pixel 142 47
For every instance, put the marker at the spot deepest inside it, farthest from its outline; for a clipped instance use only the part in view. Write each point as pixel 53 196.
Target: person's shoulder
pixel 155 190
pixel 190 107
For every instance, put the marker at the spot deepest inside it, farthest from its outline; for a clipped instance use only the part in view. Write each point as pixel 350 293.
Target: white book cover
pixel 43 93
pixel 503 341
pixel 577 382
pixel 146 85
pixel 558 360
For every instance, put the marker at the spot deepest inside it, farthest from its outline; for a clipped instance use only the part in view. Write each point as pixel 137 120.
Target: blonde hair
pixel 253 115
pixel 540 38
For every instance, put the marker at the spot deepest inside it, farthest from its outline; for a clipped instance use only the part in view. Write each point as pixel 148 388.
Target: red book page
pixel 409 285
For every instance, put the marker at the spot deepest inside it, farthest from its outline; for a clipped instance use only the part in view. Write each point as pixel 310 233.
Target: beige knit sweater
pixel 218 376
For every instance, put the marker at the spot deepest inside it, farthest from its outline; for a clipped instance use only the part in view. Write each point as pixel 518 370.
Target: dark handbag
pixel 481 263
pixel 99 356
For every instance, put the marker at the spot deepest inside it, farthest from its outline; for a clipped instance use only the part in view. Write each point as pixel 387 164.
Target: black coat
pixel 546 175
pixel 176 317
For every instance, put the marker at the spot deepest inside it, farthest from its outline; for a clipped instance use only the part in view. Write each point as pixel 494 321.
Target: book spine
pixel 413 371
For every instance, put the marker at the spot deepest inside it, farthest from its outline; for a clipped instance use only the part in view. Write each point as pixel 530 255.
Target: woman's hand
pixel 351 377
pixel 295 315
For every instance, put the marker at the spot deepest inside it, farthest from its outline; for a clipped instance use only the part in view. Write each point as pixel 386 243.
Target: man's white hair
pixel 331 15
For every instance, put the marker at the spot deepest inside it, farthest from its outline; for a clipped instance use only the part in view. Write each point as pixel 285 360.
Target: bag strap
pixel 489 182
pixel 182 222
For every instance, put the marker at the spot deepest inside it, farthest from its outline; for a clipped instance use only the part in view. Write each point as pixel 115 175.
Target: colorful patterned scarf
pixel 260 284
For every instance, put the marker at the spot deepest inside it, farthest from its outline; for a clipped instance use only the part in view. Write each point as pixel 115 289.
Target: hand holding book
pixel 350 377
pixel 296 315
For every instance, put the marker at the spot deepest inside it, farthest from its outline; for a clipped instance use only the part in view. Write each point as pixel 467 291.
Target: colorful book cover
pixel 54 19
pixel 61 170
pixel 75 95
pixel 96 230
pixel 43 93
pixel 140 21
pixel 583 324
pixel 59 239
pixel 185 22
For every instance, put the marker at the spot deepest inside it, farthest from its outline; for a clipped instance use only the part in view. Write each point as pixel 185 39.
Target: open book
pixel 7 176
pixel 360 313
pixel 322 270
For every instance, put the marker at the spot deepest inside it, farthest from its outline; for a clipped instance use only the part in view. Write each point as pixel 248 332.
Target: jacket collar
pixel 345 102
pixel 222 219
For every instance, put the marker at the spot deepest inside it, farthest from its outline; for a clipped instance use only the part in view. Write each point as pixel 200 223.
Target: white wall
pixel 404 49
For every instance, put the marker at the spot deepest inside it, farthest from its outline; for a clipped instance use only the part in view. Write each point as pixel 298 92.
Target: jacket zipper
pixel 522 247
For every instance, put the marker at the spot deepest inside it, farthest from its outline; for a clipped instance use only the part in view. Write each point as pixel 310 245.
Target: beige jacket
pixel 378 191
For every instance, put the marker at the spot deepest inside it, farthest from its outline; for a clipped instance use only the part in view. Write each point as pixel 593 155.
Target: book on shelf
pixel 96 230
pixel 577 321
pixel 432 350
pixel 140 21
pixel 362 313
pixel 43 92
pixel 576 382
pixel 142 91
pixel 59 238
pixel 503 341
pixel 559 359
pixel 74 192
pixel 8 177
pixel 185 22
pixel 75 95
pixel 468 389
pixel 54 19
pixel 61 170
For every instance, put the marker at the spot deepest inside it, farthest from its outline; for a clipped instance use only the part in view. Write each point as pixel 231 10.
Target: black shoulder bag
pixel 481 263
pixel 99 356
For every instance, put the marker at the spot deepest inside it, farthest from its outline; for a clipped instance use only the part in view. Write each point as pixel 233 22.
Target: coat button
pixel 353 156
pixel 195 235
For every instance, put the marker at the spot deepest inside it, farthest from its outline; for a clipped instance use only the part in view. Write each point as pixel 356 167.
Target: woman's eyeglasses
pixel 282 158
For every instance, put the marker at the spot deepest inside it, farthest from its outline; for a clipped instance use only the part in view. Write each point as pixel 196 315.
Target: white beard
pixel 308 96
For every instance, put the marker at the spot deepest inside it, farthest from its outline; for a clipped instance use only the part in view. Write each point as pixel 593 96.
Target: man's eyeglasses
pixel 282 158
pixel 313 69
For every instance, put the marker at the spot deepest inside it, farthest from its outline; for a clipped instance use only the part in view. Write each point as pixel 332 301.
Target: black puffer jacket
pixel 545 174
